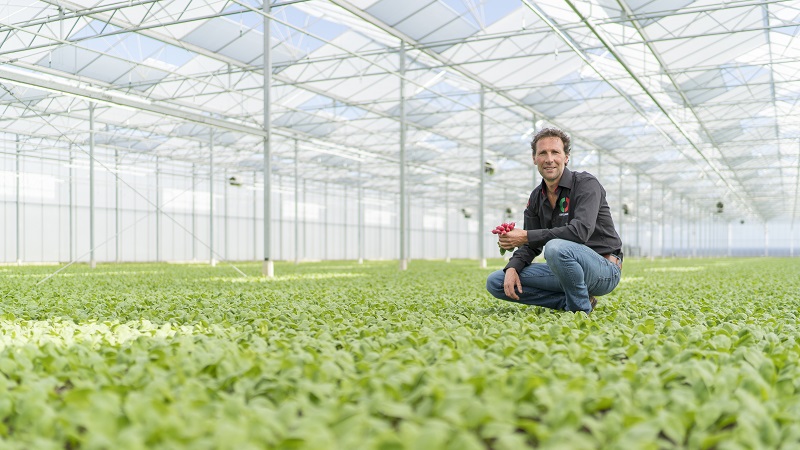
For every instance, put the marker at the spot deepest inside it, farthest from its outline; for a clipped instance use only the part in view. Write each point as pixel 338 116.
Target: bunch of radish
pixel 503 228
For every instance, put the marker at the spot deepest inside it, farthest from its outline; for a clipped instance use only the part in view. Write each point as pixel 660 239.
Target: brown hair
pixel 552 132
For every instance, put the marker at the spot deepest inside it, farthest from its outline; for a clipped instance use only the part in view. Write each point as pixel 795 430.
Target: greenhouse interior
pixel 268 223
pixel 142 131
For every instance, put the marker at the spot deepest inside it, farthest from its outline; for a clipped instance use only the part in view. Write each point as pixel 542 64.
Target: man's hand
pixel 512 239
pixel 512 284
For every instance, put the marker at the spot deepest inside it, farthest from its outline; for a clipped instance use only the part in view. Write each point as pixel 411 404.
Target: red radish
pixel 503 228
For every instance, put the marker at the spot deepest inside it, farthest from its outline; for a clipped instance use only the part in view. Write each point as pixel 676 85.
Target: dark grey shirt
pixel 581 215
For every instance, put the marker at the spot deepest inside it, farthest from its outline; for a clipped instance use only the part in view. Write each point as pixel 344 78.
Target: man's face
pixel 550 159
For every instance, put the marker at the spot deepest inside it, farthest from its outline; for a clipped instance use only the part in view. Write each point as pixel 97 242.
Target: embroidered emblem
pixel 564 204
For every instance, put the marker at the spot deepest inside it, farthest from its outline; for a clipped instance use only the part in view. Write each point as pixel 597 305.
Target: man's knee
pixel 494 284
pixel 556 249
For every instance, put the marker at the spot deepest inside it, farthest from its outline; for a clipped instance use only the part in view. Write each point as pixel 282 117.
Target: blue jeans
pixel 572 273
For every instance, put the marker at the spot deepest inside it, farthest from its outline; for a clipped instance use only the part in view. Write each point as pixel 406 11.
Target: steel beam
pixel 482 186
pixel 402 205
pixel 92 262
pixel 267 268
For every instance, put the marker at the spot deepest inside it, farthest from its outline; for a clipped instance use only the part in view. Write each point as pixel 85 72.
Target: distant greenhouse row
pixel 46 213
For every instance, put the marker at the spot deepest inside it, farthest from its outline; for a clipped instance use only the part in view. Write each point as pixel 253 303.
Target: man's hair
pixel 552 132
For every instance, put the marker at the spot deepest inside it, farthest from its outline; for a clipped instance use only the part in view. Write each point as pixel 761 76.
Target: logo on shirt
pixel 564 204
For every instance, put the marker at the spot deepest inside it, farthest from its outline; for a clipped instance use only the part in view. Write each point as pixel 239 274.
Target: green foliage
pixel 684 354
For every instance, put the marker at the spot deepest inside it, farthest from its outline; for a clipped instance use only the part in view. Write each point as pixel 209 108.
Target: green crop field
pixel 336 355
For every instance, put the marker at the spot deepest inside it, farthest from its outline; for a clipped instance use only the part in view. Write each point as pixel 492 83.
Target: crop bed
pixel 336 355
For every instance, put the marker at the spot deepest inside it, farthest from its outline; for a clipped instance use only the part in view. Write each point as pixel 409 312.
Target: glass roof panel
pixel 657 88
pixel 393 12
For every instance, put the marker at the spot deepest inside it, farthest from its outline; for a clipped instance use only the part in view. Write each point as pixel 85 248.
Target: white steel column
pixel 672 245
pixel 446 221
pixel 19 217
pixel 71 205
pixel 694 240
pixel 638 217
pixel 662 225
pixel 267 268
pixel 766 238
pixel 360 217
pixel 621 208
pixel 730 238
pixel 211 260
pixel 194 215
pixel 683 224
pixel 296 204
pixel 794 210
pixel 279 209
pixel 534 171
pixel 255 216
pixel 481 250
pixel 92 262
pixel 226 254
pixel 116 208
pixel 158 211
pixel 403 212
pixel 344 221
pixel 652 225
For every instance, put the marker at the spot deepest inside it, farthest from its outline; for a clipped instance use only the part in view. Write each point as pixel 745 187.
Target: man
pixel 568 212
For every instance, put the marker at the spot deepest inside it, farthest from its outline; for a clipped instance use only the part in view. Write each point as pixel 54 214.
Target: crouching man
pixel 569 213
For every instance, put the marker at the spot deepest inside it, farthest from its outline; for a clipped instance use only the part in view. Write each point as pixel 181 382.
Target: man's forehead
pixel 550 142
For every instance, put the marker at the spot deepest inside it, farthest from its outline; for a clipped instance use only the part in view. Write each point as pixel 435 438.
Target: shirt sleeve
pixel 524 255
pixel 586 200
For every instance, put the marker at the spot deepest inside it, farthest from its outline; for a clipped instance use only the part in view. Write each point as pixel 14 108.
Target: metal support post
pixel 447 221
pixel 71 205
pixel 211 260
pixel 534 172
pixel 19 210
pixel 194 214
pixel 482 187
pixel 279 209
pixel 268 268
pixel 92 262
pixel 158 212
pixel 255 216
pixel 117 242
pixel 652 225
pixel 225 233
pixel 296 203
pixel 621 208
pixel 638 218
pixel 403 212
pixel 730 239
pixel 344 222
pixel 360 216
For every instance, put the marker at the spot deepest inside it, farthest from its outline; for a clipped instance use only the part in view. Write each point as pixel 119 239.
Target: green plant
pixel 684 354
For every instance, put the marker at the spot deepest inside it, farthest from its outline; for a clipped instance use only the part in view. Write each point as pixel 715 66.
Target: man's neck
pixel 552 187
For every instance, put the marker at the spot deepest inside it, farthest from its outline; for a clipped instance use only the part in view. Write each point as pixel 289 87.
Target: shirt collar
pixel 566 179
pixel 565 182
